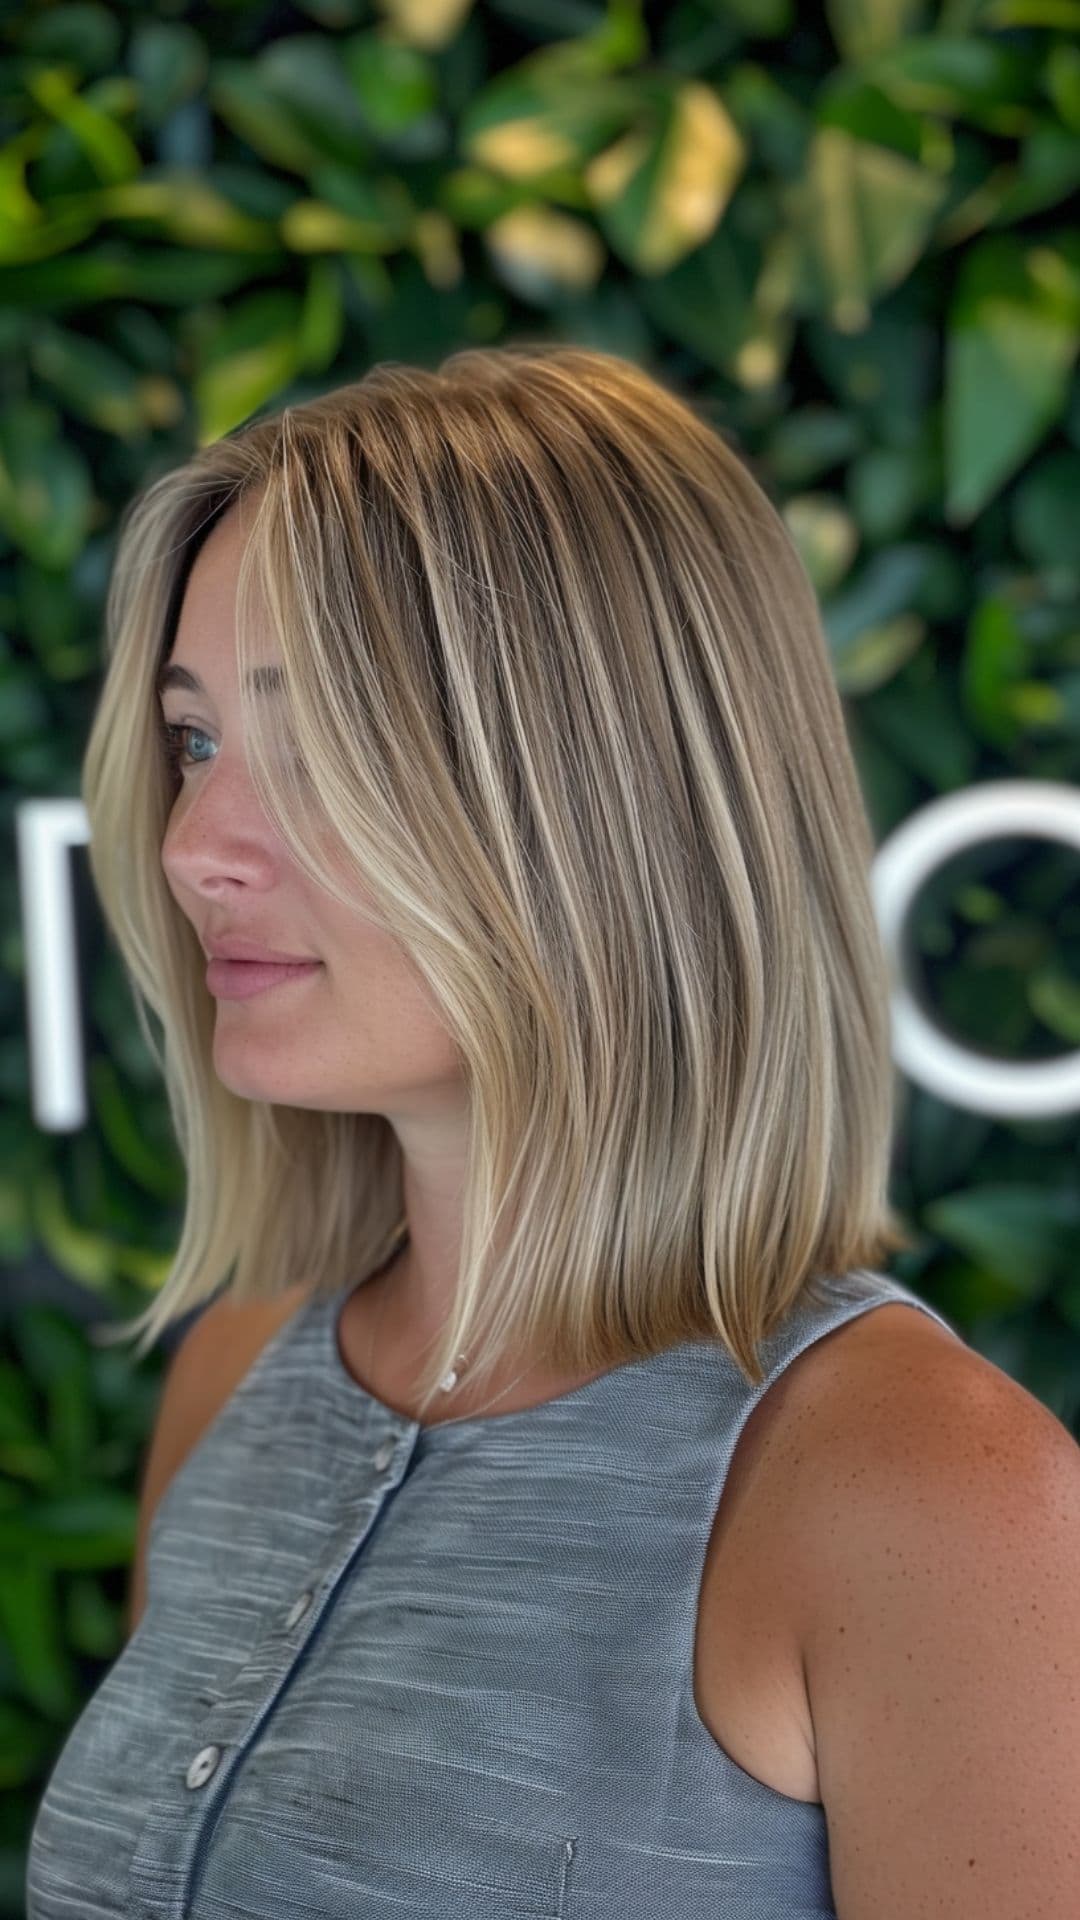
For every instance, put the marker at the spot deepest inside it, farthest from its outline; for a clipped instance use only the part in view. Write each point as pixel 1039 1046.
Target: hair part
pixel 560 697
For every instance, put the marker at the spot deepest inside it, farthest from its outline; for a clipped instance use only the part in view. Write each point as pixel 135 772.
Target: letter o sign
pixel 47 829
pixel 1048 810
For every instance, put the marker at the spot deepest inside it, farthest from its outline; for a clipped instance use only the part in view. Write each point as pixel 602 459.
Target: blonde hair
pixel 560 696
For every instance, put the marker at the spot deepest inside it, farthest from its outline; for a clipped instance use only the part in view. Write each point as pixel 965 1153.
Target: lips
pixel 234 947
pixel 240 979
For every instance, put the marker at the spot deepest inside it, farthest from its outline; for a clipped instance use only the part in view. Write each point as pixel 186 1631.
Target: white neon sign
pixel 1045 809
pixel 46 830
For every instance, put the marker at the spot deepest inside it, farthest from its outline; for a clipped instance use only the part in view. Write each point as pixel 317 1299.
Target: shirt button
pixel 203 1765
pixel 297 1610
pixel 384 1455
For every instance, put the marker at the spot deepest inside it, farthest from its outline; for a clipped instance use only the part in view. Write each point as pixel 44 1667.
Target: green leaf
pixel 159 276
pixel 1063 79
pixel 1025 1233
pixel 322 317
pixel 27 233
pixel 776 124
pixel 1047 171
pixel 888 588
pixel 1014 328
pixel 315 226
pixel 866 113
pixel 305 76
pixel 970 1294
pixel 26 1742
pixel 1044 512
pixel 252 108
pixel 706 301
pixel 24 709
pixel 825 535
pixel 996 657
pixel 125 1133
pixel 945 1144
pixel 92 1623
pixel 917 719
pixel 18 1419
pixel 764 19
pixel 86 37
pixel 53 1350
pixel 189 210
pixel 879 653
pixel 548 115
pixel 396 85
pixel 863 215
pixel 964 75
pixel 107 145
pixel 545 255
pixel 95 1527
pixel 251 359
pixel 1055 998
pixel 82 1253
pixel 233 388
pixel 886 486
pixel 887 375
pixel 170 62
pixel 806 443
pixel 1033 13
pixel 860 31
pixel 661 190
pixel 46 499
pixel 95 383
pixel 30 1629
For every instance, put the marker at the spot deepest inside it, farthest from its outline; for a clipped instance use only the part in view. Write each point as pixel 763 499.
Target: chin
pixel 272 1093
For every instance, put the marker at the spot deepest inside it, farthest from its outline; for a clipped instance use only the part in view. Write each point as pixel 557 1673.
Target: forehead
pixel 204 642
pixel 209 595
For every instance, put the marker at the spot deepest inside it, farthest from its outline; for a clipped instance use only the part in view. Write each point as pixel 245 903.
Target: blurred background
pixel 850 233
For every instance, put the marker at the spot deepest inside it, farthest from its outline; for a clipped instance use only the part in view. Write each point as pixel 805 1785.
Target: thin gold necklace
pixel 449 1380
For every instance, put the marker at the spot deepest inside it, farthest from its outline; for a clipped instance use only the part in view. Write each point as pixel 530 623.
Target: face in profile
pixel 357 1031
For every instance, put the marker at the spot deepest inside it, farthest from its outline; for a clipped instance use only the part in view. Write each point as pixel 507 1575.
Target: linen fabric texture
pixel 399 1672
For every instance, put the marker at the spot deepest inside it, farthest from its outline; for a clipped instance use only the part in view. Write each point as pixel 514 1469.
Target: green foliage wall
pixel 848 230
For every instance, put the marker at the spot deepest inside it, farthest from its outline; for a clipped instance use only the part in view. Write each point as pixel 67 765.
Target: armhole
pixel 260 1352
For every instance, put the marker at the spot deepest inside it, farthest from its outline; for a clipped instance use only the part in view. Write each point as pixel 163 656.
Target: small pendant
pixel 450 1380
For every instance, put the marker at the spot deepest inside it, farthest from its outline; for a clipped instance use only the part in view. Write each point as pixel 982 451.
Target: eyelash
pixel 175 754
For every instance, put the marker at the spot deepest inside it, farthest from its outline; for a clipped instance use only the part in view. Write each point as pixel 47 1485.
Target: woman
pixel 603 1533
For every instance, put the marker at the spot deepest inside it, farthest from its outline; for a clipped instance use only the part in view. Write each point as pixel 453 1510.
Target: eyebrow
pixel 263 679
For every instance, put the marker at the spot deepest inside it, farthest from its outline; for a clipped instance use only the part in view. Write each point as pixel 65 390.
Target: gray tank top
pixel 399 1672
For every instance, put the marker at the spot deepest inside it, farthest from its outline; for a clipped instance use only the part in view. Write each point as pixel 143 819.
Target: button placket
pixel 174 1847
pixel 241 1711
pixel 169 1853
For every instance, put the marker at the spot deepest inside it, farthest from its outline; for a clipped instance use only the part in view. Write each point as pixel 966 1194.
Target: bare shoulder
pixel 890 1416
pixel 934 1520
pixel 797 1446
pixel 253 1321
pixel 219 1348
pixel 899 1334
pixel 749 1675
pixel 893 1386
pixel 207 1365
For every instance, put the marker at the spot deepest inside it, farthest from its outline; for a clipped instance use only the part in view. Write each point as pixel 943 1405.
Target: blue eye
pixel 178 757
pixel 176 754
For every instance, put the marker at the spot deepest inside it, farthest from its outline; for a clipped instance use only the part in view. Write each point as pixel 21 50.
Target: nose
pixel 218 834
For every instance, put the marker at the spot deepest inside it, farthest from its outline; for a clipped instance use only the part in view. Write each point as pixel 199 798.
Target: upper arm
pixel 203 1370
pixel 941 1641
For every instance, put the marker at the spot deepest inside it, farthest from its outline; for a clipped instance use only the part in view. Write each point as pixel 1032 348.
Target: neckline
pixel 328 1311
